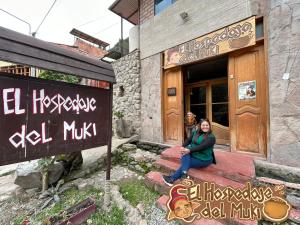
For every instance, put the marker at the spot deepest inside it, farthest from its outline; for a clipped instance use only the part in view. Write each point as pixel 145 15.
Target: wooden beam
pixel 23 49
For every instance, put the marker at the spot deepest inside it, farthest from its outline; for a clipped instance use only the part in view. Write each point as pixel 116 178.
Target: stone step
pixel 234 166
pixel 292 189
pixel 295 215
pixel 162 204
pixel 273 181
pixel 199 174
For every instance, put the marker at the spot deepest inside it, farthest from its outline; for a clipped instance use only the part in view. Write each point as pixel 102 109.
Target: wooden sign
pixel 233 37
pixel 171 91
pixel 42 118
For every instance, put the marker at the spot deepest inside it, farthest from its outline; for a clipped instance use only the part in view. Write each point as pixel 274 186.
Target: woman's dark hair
pixel 204 120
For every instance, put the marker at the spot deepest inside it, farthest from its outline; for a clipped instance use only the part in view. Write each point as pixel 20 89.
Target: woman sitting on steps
pixel 197 152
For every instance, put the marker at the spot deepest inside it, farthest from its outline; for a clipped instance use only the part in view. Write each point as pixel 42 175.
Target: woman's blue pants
pixel 187 162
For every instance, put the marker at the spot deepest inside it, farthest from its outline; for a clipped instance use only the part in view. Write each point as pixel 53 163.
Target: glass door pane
pixel 219 93
pixel 220 114
pixel 198 95
pixel 198 102
pixel 199 111
pixel 220 104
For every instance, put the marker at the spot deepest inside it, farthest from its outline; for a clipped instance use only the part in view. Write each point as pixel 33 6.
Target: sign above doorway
pixel 230 38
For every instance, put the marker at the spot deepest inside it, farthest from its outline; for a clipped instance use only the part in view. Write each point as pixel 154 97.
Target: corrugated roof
pixel 127 9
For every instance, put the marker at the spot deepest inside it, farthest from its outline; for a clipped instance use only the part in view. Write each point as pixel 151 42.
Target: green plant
pixel 19 220
pixel 145 167
pixel 135 191
pixel 52 75
pixel 119 114
pixel 44 164
pixel 114 217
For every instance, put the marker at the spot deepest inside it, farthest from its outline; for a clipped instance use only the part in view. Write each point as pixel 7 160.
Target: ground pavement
pixel 8 188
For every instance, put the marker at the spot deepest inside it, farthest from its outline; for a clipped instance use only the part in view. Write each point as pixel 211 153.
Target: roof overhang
pixel 127 9
pixel 88 37
pixel 23 49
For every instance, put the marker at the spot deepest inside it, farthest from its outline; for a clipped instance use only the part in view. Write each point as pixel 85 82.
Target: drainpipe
pixel 121 43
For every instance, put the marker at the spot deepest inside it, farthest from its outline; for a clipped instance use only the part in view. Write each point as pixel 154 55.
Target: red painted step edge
pixel 227 162
pixel 199 174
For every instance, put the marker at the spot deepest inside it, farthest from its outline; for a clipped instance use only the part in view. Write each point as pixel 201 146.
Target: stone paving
pixel 90 156
pixel 138 215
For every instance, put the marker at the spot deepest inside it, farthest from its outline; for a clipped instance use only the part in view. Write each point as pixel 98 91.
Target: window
pixel 161 5
pixel 259 28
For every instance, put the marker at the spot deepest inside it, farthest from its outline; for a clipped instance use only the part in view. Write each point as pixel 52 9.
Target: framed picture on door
pixel 247 90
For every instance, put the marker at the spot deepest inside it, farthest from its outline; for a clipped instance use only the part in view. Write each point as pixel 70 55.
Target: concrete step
pixel 234 166
pixel 200 174
pixel 162 204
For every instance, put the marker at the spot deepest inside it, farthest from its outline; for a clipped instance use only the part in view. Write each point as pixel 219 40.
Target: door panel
pixel 248 117
pixel 248 139
pixel 173 107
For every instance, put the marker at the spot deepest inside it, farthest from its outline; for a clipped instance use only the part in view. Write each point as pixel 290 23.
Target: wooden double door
pixel 247 103
pixel 209 99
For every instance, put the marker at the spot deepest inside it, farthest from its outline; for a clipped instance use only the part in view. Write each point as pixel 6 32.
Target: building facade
pixel 236 62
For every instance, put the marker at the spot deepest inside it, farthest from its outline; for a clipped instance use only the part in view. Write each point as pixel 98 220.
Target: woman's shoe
pixel 168 180
pixel 185 176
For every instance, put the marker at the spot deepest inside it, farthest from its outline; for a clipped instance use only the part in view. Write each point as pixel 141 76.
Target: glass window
pixel 220 114
pixel 259 29
pixel 219 93
pixel 160 5
pixel 199 111
pixel 198 95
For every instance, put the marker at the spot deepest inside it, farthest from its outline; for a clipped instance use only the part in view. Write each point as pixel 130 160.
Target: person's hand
pixel 184 151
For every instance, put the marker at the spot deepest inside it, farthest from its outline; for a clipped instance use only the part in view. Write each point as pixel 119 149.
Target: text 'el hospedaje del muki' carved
pixel 41 118
pixel 230 38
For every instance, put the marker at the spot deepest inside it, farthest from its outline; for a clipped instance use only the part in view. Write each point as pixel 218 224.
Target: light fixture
pixel 184 15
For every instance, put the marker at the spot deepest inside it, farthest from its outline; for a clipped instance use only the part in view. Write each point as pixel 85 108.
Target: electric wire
pixel 18 19
pixel 34 33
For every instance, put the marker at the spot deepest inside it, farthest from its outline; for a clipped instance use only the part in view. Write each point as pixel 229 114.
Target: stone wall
pixel 151 122
pixel 127 90
pixel 284 94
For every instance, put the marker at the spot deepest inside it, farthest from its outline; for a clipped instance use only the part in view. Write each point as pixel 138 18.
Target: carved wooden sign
pixel 233 37
pixel 42 118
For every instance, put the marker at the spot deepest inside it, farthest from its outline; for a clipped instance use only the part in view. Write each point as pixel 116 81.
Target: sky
pixel 90 16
